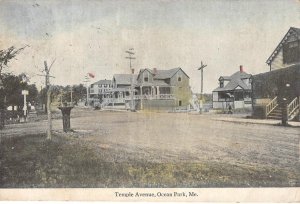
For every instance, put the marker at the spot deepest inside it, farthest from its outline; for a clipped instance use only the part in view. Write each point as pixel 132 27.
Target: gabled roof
pixel 124 78
pixel 167 74
pixel 163 74
pixel 291 31
pixel 235 80
pixel 102 82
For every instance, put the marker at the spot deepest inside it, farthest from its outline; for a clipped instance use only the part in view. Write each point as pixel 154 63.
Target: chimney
pixel 154 71
pixel 241 68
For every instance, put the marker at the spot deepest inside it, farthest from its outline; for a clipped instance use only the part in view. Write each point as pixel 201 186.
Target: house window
pixel 291 52
pixel 180 103
pixel 179 78
pixel 146 79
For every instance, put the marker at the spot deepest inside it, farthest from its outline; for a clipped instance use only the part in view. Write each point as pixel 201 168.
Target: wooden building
pixel 163 89
pixel 281 85
pixel 98 90
pixel 153 90
pixel 287 52
pixel 234 91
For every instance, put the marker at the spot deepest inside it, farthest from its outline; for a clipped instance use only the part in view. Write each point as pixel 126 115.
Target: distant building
pixel 163 89
pixel 121 87
pixel 282 83
pixel 99 89
pixel 234 90
pixel 153 90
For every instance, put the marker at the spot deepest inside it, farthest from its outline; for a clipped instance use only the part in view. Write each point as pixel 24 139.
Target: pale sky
pixel 92 36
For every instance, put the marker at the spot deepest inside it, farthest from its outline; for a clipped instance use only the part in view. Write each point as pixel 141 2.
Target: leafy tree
pixel 13 86
pixel 5 57
pixel 79 93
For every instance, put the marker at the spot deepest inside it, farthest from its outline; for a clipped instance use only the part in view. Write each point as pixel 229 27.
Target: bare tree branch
pixel 8 54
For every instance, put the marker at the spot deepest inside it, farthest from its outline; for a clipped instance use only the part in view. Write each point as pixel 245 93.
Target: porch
pixel 236 99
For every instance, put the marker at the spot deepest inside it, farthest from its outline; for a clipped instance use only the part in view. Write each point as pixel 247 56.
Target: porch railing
pixel 150 97
pixel 293 106
pixel 138 97
pixel 271 106
pixel 114 100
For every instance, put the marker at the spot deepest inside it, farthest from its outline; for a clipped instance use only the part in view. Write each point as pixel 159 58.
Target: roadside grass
pixel 32 161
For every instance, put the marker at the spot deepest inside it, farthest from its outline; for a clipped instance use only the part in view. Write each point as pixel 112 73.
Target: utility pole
pixel 71 95
pixel 47 71
pixel 2 104
pixel 87 89
pixel 130 54
pixel 201 95
pixel 48 88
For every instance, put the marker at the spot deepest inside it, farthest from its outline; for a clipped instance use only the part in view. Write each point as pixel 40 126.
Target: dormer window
pixel 146 79
pixel 291 52
pixel 221 84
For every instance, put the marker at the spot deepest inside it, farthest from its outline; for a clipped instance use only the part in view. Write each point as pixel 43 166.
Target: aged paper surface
pixel 162 100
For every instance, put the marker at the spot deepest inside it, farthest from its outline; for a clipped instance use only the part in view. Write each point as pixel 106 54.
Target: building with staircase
pixel 277 92
pixel 234 91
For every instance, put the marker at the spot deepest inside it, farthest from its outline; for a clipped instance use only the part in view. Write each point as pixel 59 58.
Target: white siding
pixel 215 96
pixel 277 62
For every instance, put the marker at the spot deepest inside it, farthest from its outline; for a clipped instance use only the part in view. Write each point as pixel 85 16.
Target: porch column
pixel 141 94
pixel 152 92
pixel 157 93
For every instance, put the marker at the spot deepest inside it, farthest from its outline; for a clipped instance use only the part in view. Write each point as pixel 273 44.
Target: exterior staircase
pixel 275 108
pixel 276 113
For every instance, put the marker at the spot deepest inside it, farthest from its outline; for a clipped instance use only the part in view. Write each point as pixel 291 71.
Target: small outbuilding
pixel 234 91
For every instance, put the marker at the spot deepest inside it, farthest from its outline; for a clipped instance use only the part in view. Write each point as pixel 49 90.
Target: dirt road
pixel 180 137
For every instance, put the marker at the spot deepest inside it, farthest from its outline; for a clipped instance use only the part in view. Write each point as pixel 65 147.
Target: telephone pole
pixel 48 89
pixel 71 90
pixel 130 54
pixel 201 95
pixel 87 89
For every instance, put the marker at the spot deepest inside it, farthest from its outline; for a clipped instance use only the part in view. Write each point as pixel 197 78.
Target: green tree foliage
pixel 13 86
pixel 79 92
pixel 64 93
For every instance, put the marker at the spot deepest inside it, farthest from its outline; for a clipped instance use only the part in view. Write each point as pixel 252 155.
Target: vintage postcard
pixel 150 100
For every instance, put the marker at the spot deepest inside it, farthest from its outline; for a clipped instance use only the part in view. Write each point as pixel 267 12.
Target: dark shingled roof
pixel 125 79
pixel 297 30
pixel 235 80
pixel 163 74
pixel 166 74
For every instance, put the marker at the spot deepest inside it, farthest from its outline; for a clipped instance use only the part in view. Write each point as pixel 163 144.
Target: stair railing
pixel 271 106
pixel 294 105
